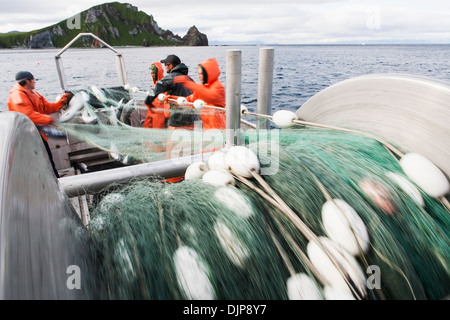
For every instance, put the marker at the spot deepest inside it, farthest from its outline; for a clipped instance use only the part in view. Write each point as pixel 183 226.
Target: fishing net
pixel 111 120
pixel 403 242
pixel 194 240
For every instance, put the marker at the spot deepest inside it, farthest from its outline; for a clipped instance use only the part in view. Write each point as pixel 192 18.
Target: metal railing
pixel 119 60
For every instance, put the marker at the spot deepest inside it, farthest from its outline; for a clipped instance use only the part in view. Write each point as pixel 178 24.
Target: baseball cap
pixel 173 59
pixel 23 75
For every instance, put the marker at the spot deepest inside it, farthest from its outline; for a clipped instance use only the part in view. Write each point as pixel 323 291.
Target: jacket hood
pixel 181 68
pixel 160 71
pixel 211 66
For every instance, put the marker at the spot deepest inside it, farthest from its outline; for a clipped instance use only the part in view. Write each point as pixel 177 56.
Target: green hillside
pixel 119 24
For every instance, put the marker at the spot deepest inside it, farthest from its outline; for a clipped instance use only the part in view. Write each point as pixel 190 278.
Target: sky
pixel 264 21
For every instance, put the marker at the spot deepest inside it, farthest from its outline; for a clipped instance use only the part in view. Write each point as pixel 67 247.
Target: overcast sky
pixel 265 21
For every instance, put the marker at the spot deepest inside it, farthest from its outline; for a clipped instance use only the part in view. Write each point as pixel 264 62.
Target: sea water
pixel 300 71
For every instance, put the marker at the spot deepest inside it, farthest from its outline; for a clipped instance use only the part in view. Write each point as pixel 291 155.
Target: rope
pixel 318 125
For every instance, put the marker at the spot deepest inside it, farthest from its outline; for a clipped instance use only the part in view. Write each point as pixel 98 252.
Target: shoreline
pixel 251 45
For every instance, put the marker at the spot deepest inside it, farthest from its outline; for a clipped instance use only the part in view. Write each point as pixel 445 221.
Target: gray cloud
pixel 266 21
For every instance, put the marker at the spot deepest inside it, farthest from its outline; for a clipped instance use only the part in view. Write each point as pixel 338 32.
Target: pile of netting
pixel 111 120
pixel 272 235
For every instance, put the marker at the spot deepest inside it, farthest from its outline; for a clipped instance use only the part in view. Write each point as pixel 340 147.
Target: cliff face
pixel 119 24
pixel 195 38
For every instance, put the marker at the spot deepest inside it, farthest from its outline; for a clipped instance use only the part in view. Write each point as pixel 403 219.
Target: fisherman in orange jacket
pixel 211 91
pixel 24 99
pixel 155 117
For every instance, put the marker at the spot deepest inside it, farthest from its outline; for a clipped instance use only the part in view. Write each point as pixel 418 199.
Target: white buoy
pixel 234 248
pixel 234 200
pixel 199 104
pixel 135 89
pixel 284 118
pixel 218 178
pixel 406 187
pixel 344 226
pixel 196 170
pixel 244 110
pixel 300 286
pixel 193 275
pixel 162 97
pixel 332 293
pixel 425 174
pixel 242 161
pixel 218 160
pixel 181 101
pixel 329 271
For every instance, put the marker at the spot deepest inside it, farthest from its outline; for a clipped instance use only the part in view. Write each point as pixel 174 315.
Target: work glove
pixel 65 99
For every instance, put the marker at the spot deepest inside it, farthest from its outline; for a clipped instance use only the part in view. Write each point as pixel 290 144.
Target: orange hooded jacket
pixel 156 119
pixel 33 105
pixel 212 92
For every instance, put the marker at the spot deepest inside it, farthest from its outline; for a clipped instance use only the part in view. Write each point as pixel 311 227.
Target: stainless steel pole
pixel 94 182
pixel 265 79
pixel 233 97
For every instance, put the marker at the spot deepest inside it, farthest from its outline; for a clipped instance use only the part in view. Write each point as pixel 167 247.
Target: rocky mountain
pixel 119 24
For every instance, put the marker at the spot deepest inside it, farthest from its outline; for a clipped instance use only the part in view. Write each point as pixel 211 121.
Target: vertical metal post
pixel 265 78
pixel 60 69
pixel 233 97
pixel 121 69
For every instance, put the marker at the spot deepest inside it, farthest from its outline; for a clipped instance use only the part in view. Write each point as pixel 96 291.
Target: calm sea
pixel 299 71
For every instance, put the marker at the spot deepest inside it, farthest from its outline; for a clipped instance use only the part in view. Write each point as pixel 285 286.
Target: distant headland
pixel 119 24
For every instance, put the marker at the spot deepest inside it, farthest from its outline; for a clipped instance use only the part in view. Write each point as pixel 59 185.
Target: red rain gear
pixel 33 105
pixel 212 93
pixel 155 117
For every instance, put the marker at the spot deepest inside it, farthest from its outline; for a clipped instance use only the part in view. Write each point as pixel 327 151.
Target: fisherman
pixel 211 90
pixel 179 118
pixel 156 117
pixel 24 99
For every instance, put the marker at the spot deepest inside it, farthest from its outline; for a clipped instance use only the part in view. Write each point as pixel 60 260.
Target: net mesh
pixel 111 120
pixel 193 240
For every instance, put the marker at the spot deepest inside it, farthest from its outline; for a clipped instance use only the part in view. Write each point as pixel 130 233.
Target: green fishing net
pixel 193 240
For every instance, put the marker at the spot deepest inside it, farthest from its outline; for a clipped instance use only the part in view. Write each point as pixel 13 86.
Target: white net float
pixel 425 174
pixel 196 170
pixel 162 97
pixel 181 101
pixel 284 118
pixel 199 104
pixel 244 110
pixel 344 226
pixel 218 178
pixel 242 161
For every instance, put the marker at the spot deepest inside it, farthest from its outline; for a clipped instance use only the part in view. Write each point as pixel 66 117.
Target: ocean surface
pixel 300 71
